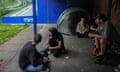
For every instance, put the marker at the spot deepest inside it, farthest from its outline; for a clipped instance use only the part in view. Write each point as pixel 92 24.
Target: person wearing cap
pixel 101 37
pixel 30 60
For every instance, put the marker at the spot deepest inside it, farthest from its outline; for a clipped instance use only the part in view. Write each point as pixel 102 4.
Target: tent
pixel 68 19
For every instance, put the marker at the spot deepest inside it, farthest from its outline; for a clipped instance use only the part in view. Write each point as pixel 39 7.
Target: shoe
pixel 100 59
pixel 96 52
pixel 97 55
pixel 116 70
pixel 93 51
pixel 52 58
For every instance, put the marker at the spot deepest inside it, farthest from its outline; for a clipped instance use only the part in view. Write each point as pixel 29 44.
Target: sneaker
pixel 51 58
pixel 97 54
pixel 100 59
pixel 116 70
pixel 95 51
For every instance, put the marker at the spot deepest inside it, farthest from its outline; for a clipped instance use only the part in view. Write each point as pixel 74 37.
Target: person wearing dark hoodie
pixel 30 60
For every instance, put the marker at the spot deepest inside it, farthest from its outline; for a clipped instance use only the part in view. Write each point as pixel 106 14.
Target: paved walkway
pixel 78 59
pixel 10 50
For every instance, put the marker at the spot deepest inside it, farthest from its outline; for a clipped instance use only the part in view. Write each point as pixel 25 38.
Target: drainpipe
pixel 109 9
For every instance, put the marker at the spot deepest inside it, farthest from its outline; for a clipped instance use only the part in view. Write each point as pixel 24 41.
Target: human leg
pixel 31 68
pixel 101 57
pixel 96 49
pixel 96 42
pixel 103 45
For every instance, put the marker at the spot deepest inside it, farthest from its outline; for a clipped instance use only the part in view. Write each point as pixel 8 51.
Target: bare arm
pixel 96 36
pixel 92 28
pixel 47 42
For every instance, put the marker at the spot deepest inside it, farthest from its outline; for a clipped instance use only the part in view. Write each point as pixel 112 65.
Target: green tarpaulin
pixel 67 21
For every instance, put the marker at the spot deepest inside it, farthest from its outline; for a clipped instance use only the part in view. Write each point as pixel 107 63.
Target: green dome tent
pixel 68 20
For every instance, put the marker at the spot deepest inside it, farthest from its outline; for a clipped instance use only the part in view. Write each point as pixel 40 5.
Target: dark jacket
pixel 54 41
pixel 29 55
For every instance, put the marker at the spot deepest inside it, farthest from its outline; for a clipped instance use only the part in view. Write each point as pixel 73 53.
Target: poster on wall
pixel 48 11
pixel 21 11
pixel 17 11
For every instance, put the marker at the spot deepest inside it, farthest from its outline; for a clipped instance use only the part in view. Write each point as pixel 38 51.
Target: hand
pixel 47 46
pixel 45 59
pixel 50 48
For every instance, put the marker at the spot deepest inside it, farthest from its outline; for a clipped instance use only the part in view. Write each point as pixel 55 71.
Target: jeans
pixel 31 68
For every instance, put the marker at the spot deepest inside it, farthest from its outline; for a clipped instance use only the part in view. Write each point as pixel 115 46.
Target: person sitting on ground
pixel 30 60
pixel 101 38
pixel 55 42
pixel 93 29
pixel 82 28
pixel 93 26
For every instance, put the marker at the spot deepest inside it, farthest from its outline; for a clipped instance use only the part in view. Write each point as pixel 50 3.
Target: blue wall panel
pixel 50 10
pixel 56 7
pixel 41 11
